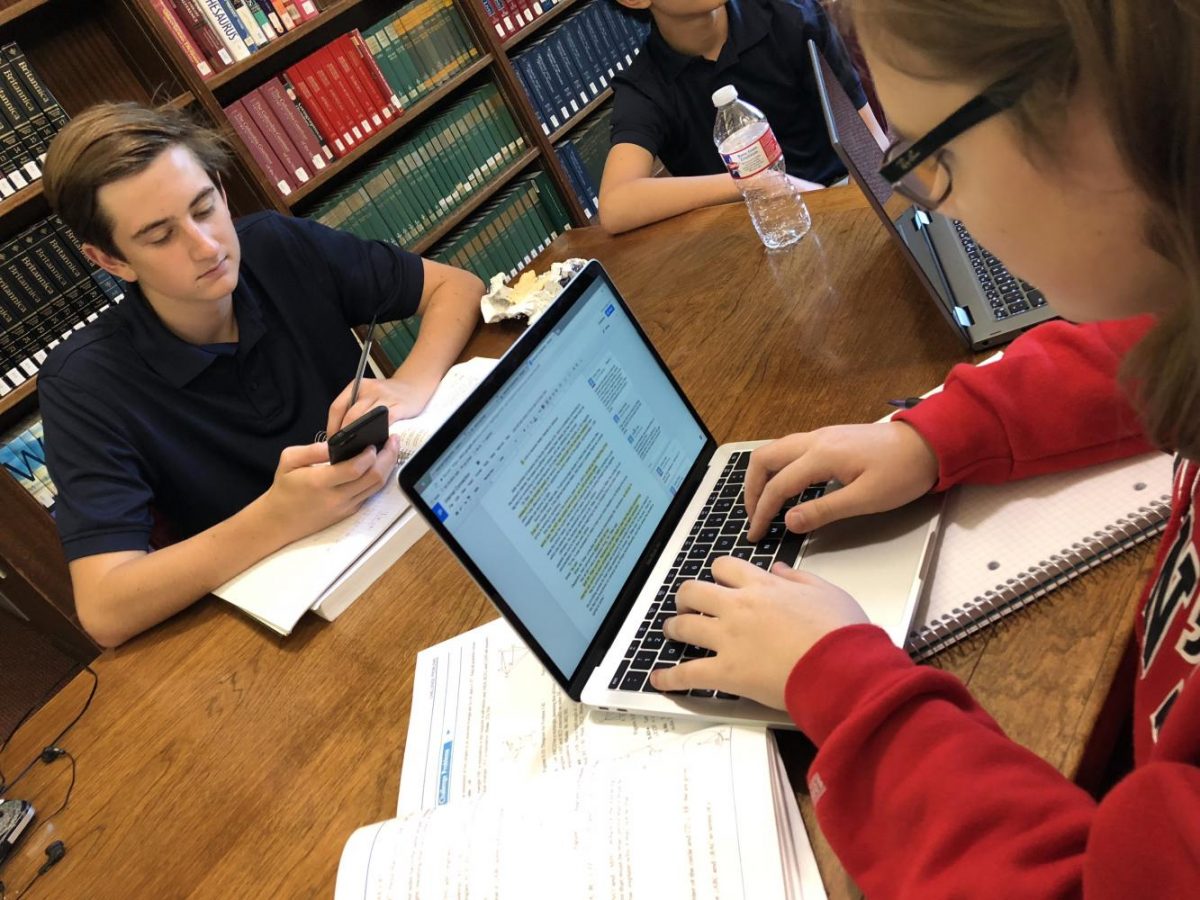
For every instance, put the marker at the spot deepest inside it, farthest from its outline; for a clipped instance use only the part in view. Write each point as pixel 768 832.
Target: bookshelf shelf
pixel 30 194
pixel 16 10
pixel 539 23
pixel 298 33
pixel 14 399
pixel 596 103
pixel 477 200
pixel 412 114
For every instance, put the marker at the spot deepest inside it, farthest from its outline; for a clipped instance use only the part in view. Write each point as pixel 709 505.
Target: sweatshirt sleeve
pixel 920 794
pixel 1052 403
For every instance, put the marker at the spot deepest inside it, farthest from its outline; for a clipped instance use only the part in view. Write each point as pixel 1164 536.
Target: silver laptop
pixel 580 488
pixel 984 303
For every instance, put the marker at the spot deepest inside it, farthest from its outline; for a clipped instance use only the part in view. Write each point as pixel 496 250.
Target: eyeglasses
pixel 916 170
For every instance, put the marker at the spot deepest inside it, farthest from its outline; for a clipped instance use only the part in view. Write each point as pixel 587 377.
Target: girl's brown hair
pixel 111 141
pixel 1143 59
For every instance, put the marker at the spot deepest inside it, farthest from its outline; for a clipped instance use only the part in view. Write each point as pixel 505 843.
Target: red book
pixel 298 131
pixel 202 32
pixel 166 12
pixel 272 130
pixel 359 82
pixel 320 106
pixel 306 9
pixel 293 97
pixel 391 103
pixel 330 75
pixel 258 147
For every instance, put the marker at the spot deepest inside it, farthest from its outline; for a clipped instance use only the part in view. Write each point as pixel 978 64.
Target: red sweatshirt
pixel 915 786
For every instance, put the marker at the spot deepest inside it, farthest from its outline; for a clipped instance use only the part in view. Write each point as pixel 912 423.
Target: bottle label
pixel 752 159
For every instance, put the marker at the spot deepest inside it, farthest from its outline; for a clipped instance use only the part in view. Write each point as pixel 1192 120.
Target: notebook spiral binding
pixel 1037 581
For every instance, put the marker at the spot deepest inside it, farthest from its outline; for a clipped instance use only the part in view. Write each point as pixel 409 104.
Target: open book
pixel 511 789
pixel 326 571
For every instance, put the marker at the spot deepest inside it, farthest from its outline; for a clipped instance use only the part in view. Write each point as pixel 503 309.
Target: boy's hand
pixel 402 399
pixel 306 496
pixel 759 623
pixel 882 466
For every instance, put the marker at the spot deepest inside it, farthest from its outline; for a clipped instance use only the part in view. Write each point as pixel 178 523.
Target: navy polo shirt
pixel 139 422
pixel 663 102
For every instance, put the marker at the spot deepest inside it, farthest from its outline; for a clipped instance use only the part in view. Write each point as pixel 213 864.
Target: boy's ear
pixel 110 264
pixel 636 4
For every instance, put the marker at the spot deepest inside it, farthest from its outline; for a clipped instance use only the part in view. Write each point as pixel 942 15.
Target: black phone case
pixel 369 429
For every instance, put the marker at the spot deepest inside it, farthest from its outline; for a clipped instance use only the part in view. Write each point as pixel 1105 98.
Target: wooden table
pixel 219 760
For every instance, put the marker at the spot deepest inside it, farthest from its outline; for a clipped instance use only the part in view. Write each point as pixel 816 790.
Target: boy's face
pixel 172 225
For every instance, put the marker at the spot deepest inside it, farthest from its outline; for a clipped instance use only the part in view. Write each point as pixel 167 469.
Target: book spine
pixel 304 79
pixel 204 33
pixel 30 128
pixel 349 70
pixel 294 98
pixel 257 144
pixel 219 19
pixel 231 8
pixel 289 117
pixel 272 130
pixel 390 102
pixel 190 49
pixel 264 20
pixel 330 75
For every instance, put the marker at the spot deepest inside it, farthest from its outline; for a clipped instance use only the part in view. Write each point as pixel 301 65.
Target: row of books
pixel 509 231
pixel 48 289
pixel 421 47
pixel 215 34
pixel 29 119
pixel 572 63
pixel 510 16
pixel 431 174
pixel 332 100
pixel 583 155
pixel 23 456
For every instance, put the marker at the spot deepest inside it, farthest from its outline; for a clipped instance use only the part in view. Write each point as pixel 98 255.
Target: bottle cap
pixel 723 96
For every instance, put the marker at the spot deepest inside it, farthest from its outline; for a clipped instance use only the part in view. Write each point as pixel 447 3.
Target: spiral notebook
pixel 1004 546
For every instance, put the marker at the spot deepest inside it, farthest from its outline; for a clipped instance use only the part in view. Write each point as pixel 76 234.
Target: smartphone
pixel 369 429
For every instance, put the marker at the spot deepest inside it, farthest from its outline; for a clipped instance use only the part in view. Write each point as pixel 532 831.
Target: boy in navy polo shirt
pixel 195 401
pixel 663 102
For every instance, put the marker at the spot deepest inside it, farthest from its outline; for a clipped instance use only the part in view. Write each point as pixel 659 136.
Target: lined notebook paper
pixel 1004 546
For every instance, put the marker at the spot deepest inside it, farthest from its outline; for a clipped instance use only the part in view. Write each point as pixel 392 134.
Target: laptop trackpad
pixel 880 560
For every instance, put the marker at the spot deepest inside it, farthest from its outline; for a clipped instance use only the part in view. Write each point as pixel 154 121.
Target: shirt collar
pixel 748 24
pixel 169 355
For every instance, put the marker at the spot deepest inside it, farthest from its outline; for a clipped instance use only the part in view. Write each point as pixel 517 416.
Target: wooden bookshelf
pixel 15 10
pixel 384 135
pixel 17 396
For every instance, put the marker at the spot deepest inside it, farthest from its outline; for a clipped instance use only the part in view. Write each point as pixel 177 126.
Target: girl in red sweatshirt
pixel 1066 136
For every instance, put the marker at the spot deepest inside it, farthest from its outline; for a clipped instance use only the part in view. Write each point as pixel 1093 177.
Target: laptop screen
pixel 556 485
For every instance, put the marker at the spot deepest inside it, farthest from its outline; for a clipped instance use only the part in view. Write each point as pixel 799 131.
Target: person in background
pixel 190 409
pixel 663 103
pixel 1042 125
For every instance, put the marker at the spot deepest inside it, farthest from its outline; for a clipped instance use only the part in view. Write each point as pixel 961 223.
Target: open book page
pixel 456 384
pixel 485 712
pixel 690 819
pixel 279 588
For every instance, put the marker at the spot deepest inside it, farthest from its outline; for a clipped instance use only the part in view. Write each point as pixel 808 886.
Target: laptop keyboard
pixel 719 530
pixel 1006 294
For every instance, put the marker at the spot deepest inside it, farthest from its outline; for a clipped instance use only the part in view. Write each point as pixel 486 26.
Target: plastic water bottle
pixel 754 159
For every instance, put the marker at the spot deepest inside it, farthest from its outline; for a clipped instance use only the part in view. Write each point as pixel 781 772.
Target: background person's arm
pixel 630 195
pixel 121 594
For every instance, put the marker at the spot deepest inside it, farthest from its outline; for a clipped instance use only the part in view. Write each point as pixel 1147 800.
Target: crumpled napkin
pixel 529 295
